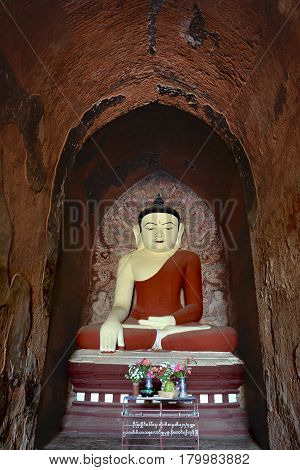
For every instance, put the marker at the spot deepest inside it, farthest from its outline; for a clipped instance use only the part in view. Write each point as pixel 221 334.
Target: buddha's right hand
pixel 109 333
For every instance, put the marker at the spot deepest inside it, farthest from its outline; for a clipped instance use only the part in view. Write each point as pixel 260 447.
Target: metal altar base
pixel 99 384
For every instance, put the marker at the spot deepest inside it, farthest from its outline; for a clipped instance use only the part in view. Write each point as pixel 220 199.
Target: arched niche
pixel 150 139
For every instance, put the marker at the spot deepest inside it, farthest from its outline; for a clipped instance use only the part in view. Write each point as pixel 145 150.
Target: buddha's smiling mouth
pixel 159 241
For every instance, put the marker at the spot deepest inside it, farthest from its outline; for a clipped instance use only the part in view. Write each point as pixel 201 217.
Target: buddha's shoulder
pixel 125 259
pixel 130 257
pixel 187 256
pixel 137 256
pixel 187 253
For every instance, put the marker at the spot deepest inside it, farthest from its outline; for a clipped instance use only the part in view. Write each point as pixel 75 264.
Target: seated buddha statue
pixel 167 313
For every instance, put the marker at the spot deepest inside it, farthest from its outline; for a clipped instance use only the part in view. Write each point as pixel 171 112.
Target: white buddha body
pixel 159 272
pixel 160 234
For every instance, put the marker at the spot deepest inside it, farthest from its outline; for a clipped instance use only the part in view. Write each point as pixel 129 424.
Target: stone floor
pixel 67 441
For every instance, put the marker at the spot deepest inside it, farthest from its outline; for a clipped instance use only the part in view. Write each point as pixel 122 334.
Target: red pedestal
pixel 99 409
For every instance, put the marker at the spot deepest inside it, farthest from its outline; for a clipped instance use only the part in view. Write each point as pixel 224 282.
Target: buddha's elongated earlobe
pixel 138 239
pixel 179 236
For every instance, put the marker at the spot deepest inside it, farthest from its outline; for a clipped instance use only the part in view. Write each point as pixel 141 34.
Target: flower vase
pixel 135 388
pixel 182 387
pixel 148 390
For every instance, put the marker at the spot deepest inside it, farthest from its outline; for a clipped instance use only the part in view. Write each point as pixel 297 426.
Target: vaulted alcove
pixel 152 140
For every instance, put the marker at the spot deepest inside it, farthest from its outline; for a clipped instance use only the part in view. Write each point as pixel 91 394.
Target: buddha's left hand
pixel 159 323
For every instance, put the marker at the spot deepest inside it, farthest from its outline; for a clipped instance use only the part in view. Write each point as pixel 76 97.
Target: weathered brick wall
pixel 62 61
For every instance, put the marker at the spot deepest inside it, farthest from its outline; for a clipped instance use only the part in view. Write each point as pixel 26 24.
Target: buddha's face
pixel 159 232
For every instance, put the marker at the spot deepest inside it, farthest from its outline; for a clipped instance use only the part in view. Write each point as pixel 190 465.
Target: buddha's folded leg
pixel 88 337
pixel 190 338
pixel 222 339
pixel 177 330
pixel 160 333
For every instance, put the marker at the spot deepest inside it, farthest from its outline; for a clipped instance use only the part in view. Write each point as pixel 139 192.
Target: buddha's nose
pixel 159 232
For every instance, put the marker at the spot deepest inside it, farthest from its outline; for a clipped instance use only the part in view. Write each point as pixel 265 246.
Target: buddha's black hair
pixel 158 207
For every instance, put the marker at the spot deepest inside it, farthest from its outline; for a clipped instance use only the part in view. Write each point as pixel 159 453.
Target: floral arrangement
pixel 164 372
pixel 138 372
pixel 181 370
pixel 152 372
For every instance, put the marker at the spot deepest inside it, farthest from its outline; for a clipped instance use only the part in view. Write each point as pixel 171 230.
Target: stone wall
pixel 68 68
